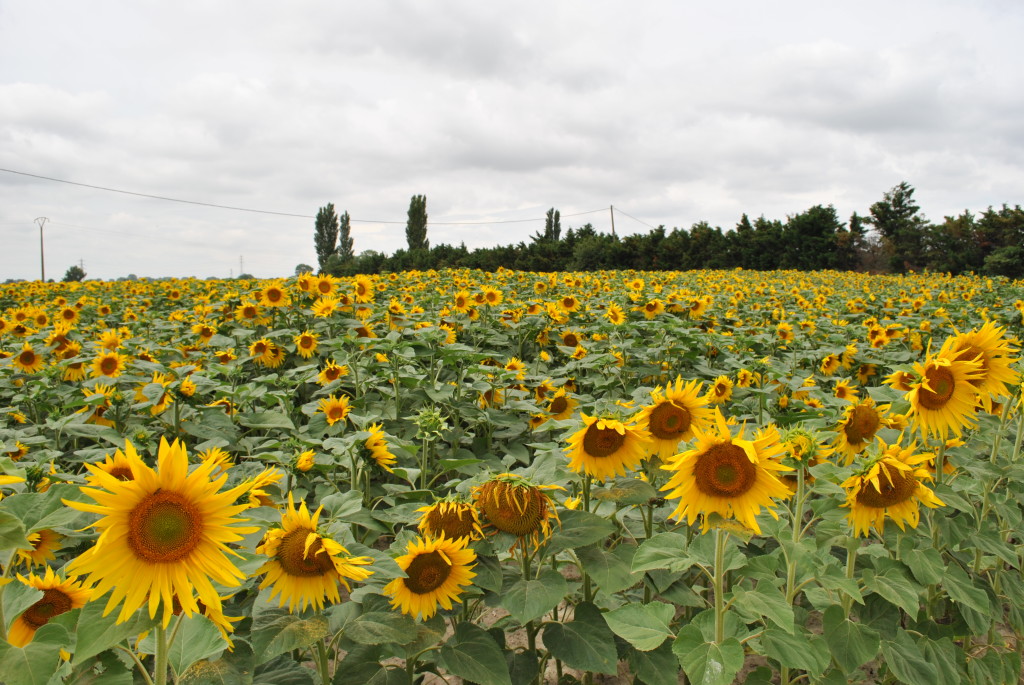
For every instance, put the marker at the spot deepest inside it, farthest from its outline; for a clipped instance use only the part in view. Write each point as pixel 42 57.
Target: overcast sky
pixel 674 112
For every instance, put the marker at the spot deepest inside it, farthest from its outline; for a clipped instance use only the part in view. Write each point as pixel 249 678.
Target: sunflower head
pixel 605 447
pixel 943 398
pixel 890 485
pixel 856 430
pixel 436 569
pixel 59 596
pixel 376 447
pixel 673 414
pixel 450 518
pixel 305 567
pixel 512 504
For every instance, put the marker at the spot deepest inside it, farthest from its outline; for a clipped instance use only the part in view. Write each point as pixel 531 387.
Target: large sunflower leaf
pixel 96 633
pixel 645 626
pixel 707 663
pixel 530 599
pixel 275 631
pixel 579 529
pixel 585 643
pixel 472 654
pixel 196 638
pixel 34 663
pixel 610 570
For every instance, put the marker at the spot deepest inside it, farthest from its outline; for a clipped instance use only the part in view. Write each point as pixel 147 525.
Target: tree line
pixel 894 236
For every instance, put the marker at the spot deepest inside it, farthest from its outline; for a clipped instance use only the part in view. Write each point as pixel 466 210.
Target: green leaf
pixel 944 655
pixel 579 529
pixel 379 627
pixel 108 669
pixel 664 550
pixel 12 532
pixel 925 564
pixel 197 638
pixel 960 589
pixel 768 601
pixel 905 660
pixel 233 668
pixel 96 633
pixel 610 570
pixel 266 420
pixel 472 654
pixel 282 671
pixel 530 599
pixel 488 573
pixel 522 667
pixel 803 650
pixel 34 663
pixel 585 642
pixel 17 597
pixel 707 663
pixel 626 491
pixel 894 585
pixel 852 644
pixel 656 667
pixel 275 631
pixel 645 626
pixel 360 665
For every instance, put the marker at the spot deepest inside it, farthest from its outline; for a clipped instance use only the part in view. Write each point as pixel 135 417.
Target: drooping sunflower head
pixel 376 446
pixel 675 411
pixel 727 475
pixel 512 504
pixel 163 534
pixel 45 543
pixel 890 485
pixel 605 447
pixel 856 430
pixel 437 571
pixel 450 518
pixel 943 397
pixel 59 596
pixel 305 567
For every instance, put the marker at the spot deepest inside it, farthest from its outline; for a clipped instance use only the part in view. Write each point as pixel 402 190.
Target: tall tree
pixel 416 226
pixel 345 241
pixel 325 235
pixel 901 225
pixel 553 225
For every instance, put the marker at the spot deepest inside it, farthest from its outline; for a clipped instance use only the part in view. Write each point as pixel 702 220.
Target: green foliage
pixel 325 234
pixel 75 273
pixel 416 225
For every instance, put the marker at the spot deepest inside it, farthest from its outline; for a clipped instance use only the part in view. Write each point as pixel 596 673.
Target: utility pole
pixel 241 266
pixel 42 261
pixel 612 210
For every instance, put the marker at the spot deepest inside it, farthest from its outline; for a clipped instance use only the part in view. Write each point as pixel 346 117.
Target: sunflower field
pixel 510 478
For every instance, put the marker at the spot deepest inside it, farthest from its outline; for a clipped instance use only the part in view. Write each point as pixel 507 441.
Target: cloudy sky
pixel 674 112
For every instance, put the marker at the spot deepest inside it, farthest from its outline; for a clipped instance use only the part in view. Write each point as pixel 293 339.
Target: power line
pixel 635 219
pixel 265 211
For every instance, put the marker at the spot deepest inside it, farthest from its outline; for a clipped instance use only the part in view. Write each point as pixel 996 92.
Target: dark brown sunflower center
pixel 108 365
pixel 121 472
pixel 558 405
pixel 306 342
pixel 602 442
pixel 296 561
pixel 669 421
pixel 724 471
pixel 427 572
pixel 452 522
pixel 861 425
pixel 570 340
pixel 518 510
pixel 891 493
pixel 940 380
pixel 53 603
pixel 163 527
pixel 27 358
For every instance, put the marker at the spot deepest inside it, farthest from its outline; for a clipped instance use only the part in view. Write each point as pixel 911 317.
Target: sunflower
pixel 560 406
pixel 28 360
pixel 325 306
pixel 274 295
pixel 891 485
pixel 994 353
pixel 334 408
pixel 615 315
pixel 332 371
pixel 323 285
pixel 59 596
pixel 163 534
pixel 45 542
pixel 109 364
pixel 98 408
pixel 605 448
pixel 164 400
pixel 571 338
pixel 856 430
pixel 845 391
pixel 305 461
pixel 943 399
pixel 377 447
pixel 436 570
pixel 675 411
pixel 512 504
pixel 364 289
pixel 305 568
pixel 720 391
pixel 306 344
pixel 452 519
pixel 727 475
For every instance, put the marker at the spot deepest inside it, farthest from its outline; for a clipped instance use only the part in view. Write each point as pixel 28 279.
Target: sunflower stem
pixel 852 545
pixel 138 662
pixel 721 537
pixel 160 658
pixel 1020 434
pixel 798 517
pixel 999 434
pixel 323 662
